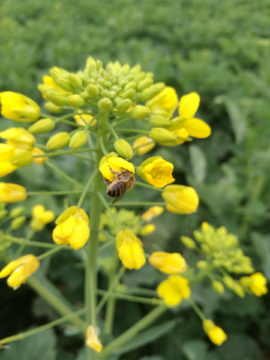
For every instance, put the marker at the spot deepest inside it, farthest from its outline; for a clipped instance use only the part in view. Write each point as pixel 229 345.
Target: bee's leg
pixel 106 181
pixel 117 199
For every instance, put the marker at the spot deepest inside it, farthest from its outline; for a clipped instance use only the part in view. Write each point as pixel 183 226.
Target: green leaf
pixel 39 346
pixel 238 121
pixel 147 336
pixel 198 162
pixel 195 350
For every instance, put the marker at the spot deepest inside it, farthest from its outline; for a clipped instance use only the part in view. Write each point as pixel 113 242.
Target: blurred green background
pixel 222 51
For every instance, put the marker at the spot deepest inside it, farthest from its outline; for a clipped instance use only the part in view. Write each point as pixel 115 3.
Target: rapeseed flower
pixel 215 333
pixel 156 171
pixel 168 263
pixel 10 193
pixel 173 290
pixel 41 217
pixel 130 249
pixel 180 199
pixel 92 339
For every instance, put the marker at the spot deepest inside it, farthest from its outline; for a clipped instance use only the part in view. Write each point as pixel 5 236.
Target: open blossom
pixel 173 290
pixel 166 100
pixel 72 228
pixel 10 193
pixel 168 263
pixel 7 152
pixel 152 212
pixel 215 333
pixel 130 249
pixel 180 199
pixel 19 270
pixel 84 118
pixel 41 217
pixel 256 283
pixel 112 162
pixel 156 171
pixel 92 339
pixel 18 107
pixel 19 138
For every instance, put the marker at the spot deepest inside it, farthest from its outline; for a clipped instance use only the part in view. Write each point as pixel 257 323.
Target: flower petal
pixel 189 105
pixel 197 128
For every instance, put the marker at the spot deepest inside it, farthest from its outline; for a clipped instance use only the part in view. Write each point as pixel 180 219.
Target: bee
pixel 123 181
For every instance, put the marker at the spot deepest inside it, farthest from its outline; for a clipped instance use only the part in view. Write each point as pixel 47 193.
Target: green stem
pixel 53 193
pixel 112 130
pixel 202 274
pixel 58 153
pixel 32 243
pixel 108 243
pixel 146 132
pixel 42 328
pixel 95 212
pixel 63 174
pixel 110 308
pixel 23 244
pixel 197 310
pixel 148 186
pixel 50 252
pixel 54 301
pixel 140 204
pixel 131 332
pixel 110 211
pixel 79 204
pixel 143 300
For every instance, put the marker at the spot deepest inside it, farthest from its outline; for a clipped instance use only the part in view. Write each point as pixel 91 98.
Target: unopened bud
pixel 129 94
pixel 123 83
pixel 58 141
pixel 201 264
pixel 3 213
pixel 57 98
pixel 52 108
pixel 144 84
pixel 17 222
pixel 140 112
pixel 161 135
pixel 22 158
pixel 188 242
pixel 218 287
pixel 78 140
pixel 131 85
pixel 75 101
pixel 99 64
pixel 42 126
pixel 159 121
pixel 125 69
pixel 124 105
pixel 139 77
pixel 123 148
pixel 105 104
pixel 147 229
pixel 44 89
pixel 238 289
pixel 104 93
pixel 75 80
pixel 17 211
pixel 135 70
pixel 228 281
pixel 64 84
pixel 152 91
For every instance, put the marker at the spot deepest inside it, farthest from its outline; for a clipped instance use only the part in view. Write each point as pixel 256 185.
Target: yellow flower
pixel 10 193
pixel 173 290
pixel 147 229
pixel 84 119
pixel 215 333
pixel 18 107
pixel 41 217
pixel 143 145
pixel 152 212
pixel 166 100
pixel 19 138
pixel 156 171
pixel 38 151
pixel 256 283
pixel 130 249
pixel 187 108
pixel 20 270
pixel 92 339
pixel 72 228
pixel 168 263
pixel 113 162
pixel 7 152
pixel 180 199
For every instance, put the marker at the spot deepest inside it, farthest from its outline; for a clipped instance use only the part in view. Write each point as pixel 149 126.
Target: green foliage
pixel 219 49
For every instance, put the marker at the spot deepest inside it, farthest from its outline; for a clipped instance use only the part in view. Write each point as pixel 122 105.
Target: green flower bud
pixel 64 84
pixel 104 93
pixel 201 264
pixel 238 289
pixel 124 105
pixel 17 211
pixel 102 82
pixel 112 94
pixel 75 101
pixel 22 158
pixel 228 281
pixel 161 135
pixel 159 121
pixel 52 108
pixel 139 77
pixel 188 242
pixel 218 287
pixel 42 126
pixel 125 69
pixel 75 81
pixel 116 100
pixel 78 140
pixel 129 94
pixel 44 89
pixel 123 83
pixel 57 73
pixel 123 148
pixel 58 141
pixel 99 64
pixel 130 77
pixel 57 98
pixel 136 69
pixel 105 104
pixel 150 75
pixel 3 213
pixel 17 222
pixel 152 91
pixel 131 85
pixel 140 112
pixel 85 96
pixel 144 84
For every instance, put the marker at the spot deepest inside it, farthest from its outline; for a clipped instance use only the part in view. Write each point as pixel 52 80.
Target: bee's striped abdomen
pixel 117 189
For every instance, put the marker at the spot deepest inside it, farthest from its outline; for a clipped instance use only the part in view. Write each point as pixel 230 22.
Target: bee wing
pixel 117 199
